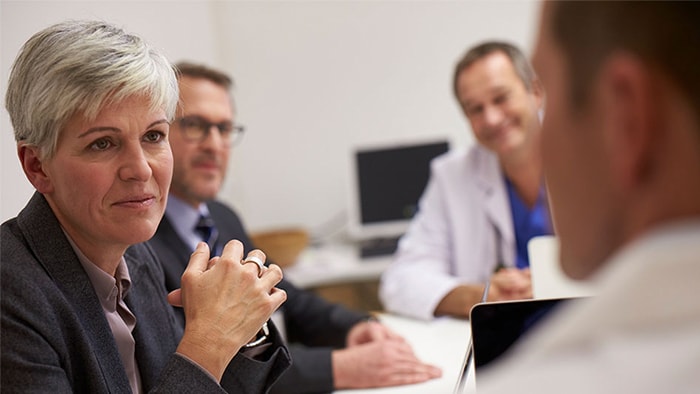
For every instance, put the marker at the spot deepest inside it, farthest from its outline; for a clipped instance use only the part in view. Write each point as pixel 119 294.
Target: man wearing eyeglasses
pixel 331 347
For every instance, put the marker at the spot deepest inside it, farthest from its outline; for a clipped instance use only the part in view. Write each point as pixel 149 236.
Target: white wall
pixel 313 80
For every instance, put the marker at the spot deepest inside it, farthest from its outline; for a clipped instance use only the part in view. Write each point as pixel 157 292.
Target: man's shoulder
pixel 218 206
pixel 224 214
pixel 468 159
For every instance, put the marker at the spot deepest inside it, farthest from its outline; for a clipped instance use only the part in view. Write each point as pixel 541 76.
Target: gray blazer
pixel 314 326
pixel 56 338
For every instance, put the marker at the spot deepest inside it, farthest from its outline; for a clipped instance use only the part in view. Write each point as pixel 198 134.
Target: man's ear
pixel 537 91
pixel 631 122
pixel 33 167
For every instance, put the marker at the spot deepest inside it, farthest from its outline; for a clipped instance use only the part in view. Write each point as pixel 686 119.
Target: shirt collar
pixel 184 219
pixel 109 289
pixel 182 215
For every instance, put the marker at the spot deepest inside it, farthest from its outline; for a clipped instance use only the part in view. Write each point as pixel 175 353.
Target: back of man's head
pixel 663 33
pixel 621 134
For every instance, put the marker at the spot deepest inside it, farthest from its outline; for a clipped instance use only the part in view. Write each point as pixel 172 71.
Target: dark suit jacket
pixel 310 320
pixel 55 336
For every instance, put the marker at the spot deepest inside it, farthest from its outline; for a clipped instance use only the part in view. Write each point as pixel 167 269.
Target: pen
pixel 485 295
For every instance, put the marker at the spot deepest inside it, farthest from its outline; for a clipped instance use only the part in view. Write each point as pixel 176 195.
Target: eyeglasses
pixel 197 129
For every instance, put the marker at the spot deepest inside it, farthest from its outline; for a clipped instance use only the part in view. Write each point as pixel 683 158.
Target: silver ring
pixel 257 261
pixel 260 337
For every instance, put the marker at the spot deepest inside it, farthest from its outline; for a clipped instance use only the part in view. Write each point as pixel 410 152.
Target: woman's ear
pixel 33 167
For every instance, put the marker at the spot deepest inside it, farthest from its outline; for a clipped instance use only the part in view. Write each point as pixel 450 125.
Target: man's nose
pixel 493 115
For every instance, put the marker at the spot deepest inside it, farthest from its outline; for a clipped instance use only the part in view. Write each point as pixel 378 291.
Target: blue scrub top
pixel 527 223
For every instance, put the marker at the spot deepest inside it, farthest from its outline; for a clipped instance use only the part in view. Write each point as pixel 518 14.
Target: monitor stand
pixel 375 247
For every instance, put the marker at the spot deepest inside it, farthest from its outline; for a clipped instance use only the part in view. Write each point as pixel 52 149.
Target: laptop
pixel 497 326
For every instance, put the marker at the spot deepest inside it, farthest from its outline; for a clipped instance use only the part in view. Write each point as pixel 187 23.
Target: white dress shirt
pixel 640 334
pixel 184 219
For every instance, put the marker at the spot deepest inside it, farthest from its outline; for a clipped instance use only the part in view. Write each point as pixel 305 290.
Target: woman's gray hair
pixel 80 67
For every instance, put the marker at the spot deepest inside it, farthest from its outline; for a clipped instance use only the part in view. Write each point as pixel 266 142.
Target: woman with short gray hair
pixel 84 308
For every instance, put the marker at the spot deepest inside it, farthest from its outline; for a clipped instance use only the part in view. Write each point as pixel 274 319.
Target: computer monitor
pixel 386 183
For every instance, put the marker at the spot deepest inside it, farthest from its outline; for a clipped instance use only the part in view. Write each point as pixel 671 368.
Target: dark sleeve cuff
pixel 257 374
pixel 182 375
pixel 311 372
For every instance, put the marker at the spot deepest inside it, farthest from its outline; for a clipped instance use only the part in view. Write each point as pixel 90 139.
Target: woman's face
pixel 108 180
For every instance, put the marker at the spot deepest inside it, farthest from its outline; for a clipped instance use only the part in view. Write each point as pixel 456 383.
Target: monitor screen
pixel 387 184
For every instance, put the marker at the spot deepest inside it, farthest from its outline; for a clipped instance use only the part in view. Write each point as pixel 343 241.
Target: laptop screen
pixel 496 326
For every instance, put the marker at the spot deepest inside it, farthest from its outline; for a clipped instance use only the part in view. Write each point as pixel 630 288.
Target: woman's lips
pixel 137 201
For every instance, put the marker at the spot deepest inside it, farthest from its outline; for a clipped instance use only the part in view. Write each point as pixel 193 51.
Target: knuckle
pixel 249 274
pixel 276 271
pixel 187 277
pixel 259 253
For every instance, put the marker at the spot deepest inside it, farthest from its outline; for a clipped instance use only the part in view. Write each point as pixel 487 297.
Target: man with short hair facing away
pixel 621 151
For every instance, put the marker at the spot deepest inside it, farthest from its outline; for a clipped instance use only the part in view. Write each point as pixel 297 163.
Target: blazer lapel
pixel 167 233
pixel 51 248
pixel 156 333
pixel 229 225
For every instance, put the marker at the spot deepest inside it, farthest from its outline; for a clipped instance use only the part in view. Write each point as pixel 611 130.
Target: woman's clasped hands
pixel 226 301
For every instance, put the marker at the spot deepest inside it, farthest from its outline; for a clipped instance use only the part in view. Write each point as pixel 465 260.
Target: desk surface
pixel 442 342
pixel 334 263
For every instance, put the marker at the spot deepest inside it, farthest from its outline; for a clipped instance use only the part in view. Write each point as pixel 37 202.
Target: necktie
pixel 207 230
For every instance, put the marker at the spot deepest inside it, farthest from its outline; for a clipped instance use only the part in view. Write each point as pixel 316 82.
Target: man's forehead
pixel 492 72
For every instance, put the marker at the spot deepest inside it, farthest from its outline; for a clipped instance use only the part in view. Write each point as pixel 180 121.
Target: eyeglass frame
pixel 230 137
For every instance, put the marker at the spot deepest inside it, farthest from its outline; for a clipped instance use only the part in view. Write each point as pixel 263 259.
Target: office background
pixel 314 79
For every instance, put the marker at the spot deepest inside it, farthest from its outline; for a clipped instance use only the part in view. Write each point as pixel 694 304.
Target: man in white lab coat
pixel 481 206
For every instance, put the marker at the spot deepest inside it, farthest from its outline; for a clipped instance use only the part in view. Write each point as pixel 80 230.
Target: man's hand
pixel 370 331
pixel 379 364
pixel 510 284
pixel 225 304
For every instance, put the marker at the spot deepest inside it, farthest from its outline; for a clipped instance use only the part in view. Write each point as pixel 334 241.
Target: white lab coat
pixel 640 334
pixel 463 229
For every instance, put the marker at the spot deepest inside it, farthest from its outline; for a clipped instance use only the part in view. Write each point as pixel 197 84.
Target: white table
pixel 334 263
pixel 442 342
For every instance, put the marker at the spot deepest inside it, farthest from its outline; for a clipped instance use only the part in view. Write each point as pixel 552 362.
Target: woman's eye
pixel 100 144
pixel 153 136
